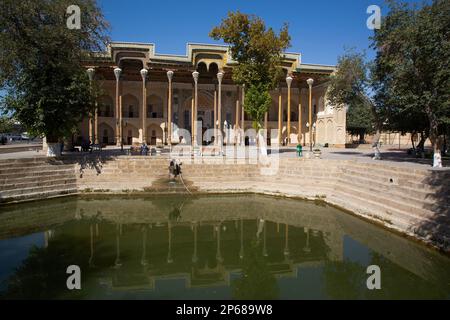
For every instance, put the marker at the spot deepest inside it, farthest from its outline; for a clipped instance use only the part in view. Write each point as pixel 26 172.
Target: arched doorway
pixel 154 107
pixel 105 106
pixel 130 106
pixel 154 135
pixel 205 112
pixel 106 134
pixel 130 134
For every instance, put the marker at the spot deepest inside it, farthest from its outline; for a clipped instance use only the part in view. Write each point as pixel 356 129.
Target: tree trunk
pixel 421 144
pixel 362 133
pixel 436 140
pixel 378 127
pixel 376 144
pixel 413 134
pixel 261 141
pixel 53 149
pixel 423 138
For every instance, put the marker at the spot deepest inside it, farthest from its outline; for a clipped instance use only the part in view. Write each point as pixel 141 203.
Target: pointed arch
pixel 106 133
pixel 105 106
pixel 130 106
pixel 155 107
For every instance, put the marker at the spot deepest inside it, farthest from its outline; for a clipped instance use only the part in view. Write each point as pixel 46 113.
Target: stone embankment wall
pixel 410 199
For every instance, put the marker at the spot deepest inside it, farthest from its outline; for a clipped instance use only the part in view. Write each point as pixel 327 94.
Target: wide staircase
pixel 35 178
pixel 404 198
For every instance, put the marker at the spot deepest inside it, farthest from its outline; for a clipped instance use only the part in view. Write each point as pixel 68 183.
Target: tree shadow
pixel 91 161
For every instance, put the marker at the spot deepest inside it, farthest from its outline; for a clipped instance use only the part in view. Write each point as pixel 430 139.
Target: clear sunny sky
pixel 320 29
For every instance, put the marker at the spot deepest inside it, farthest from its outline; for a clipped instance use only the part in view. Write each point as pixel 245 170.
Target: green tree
pixel 258 51
pixel 257 102
pixel 350 86
pixel 412 65
pixel 41 63
pixel 359 119
pixel 6 124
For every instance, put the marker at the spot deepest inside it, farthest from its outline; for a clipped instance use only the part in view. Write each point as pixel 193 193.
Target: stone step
pixel 406 210
pixel 33 178
pixel 43 167
pixel 418 201
pixel 407 173
pixel 41 182
pixel 39 189
pixel 39 195
pixel 422 194
pixel 414 181
pixel 405 192
pixel 423 228
pixel 369 210
pixel 382 176
pixel 22 160
pixel 29 162
pixel 4 177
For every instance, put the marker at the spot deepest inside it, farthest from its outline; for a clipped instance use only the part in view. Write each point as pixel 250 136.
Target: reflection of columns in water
pixel 307 249
pixel 260 225
pixel 195 75
pixel 286 243
pixel 118 263
pixel 91 258
pixel 169 254
pixel 241 252
pixel 243 116
pixel 96 230
pixel 195 255
pixel 46 238
pixel 219 254
pixel 144 261
pixel 265 254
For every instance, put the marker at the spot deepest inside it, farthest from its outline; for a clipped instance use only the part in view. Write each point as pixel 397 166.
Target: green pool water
pixel 207 247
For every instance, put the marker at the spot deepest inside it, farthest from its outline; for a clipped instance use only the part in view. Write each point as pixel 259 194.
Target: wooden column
pixel 192 120
pixel 289 82
pixel 91 117
pixel 310 83
pixel 266 124
pixel 280 118
pixel 243 117
pixel 299 127
pixel 236 125
pixel 96 141
pixel 144 73
pixel 169 109
pixel 215 115
pixel 195 75
pixel 91 131
pixel 120 122
pixel 219 109
pixel 117 72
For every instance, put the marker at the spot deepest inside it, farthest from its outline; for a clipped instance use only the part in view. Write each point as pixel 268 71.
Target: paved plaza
pixel 364 153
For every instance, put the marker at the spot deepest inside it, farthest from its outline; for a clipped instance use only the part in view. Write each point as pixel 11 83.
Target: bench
pixel 137 151
pixel 96 147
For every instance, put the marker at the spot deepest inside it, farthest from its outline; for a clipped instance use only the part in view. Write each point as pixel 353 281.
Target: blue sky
pixel 319 29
